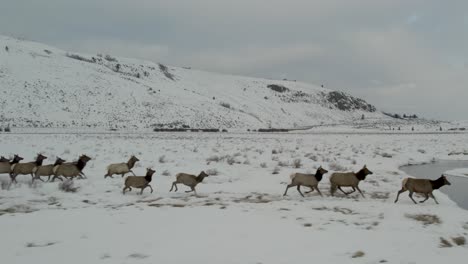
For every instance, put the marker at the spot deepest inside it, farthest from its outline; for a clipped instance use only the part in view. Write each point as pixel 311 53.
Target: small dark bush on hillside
pixel 165 71
pixel 110 58
pixel 223 104
pixel 278 88
pixel 78 57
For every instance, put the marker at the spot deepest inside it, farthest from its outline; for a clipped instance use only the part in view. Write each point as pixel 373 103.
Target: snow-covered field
pixel 240 215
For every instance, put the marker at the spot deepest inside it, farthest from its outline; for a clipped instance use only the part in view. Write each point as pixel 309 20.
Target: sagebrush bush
pixel 78 57
pixel 276 170
pixel 213 158
pixel 226 105
pixel 336 167
pixel 230 160
pixel 297 163
pixel 68 186
pixel 212 172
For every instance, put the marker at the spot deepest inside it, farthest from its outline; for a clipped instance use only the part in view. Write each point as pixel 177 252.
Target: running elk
pixel 139 181
pixel 309 180
pixel 188 180
pixel 46 170
pixel 71 170
pixel 422 186
pixel 121 168
pixel 348 179
pixel 26 168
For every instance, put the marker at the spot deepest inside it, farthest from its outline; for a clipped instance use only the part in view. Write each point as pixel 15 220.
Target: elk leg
pixel 173 185
pixel 427 197
pixel 357 187
pixel 318 190
pixel 150 188
pixel 311 189
pixel 299 190
pixel 432 196
pixel 339 188
pixel 132 173
pixel 287 187
pixel 411 196
pixel 398 195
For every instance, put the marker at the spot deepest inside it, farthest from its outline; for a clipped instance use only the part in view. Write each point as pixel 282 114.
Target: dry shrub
pixel 459 241
pixel 4 183
pixel 444 243
pixel 212 172
pixel 297 163
pixel 358 254
pixel 230 160
pixel 426 219
pixel 213 158
pixel 336 167
pixel 263 165
pixel 68 186
pixel 166 173
pixel 276 170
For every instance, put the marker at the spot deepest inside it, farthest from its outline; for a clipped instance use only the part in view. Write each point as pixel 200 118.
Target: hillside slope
pixel 41 86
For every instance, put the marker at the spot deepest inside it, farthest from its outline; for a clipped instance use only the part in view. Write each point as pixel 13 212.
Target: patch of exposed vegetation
pixel 358 254
pixel 78 57
pixel 459 241
pixel 444 243
pixel 346 102
pixel 426 219
pixel 47 244
pixel 278 88
pixel 166 72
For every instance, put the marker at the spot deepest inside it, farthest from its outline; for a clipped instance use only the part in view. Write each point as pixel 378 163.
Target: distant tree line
pixel 399 116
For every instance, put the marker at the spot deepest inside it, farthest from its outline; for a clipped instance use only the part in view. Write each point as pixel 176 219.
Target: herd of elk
pixel 70 170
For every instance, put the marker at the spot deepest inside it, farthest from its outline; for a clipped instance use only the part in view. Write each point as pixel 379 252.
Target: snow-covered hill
pixel 41 86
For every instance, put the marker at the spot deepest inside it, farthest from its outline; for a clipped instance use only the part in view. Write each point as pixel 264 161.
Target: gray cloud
pixel 403 56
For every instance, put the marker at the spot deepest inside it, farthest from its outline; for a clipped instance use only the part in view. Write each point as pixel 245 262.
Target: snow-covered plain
pixel 240 215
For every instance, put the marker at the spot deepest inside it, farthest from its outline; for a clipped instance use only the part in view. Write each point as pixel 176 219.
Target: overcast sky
pixel 407 56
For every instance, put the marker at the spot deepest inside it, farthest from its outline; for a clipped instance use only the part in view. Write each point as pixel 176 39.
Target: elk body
pixel 140 182
pixel 309 180
pixel 70 170
pixel 121 168
pixel 26 168
pixel 5 166
pixel 46 170
pixel 188 180
pixel 422 186
pixel 348 179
